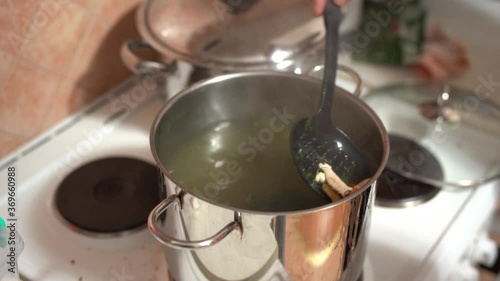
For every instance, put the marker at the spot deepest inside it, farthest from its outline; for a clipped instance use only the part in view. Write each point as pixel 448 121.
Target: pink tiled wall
pixel 55 57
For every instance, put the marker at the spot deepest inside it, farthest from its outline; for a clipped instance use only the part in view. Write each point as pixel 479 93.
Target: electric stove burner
pixel 394 190
pixel 108 196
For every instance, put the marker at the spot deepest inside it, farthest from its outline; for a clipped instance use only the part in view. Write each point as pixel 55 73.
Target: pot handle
pixel 347 70
pixel 138 65
pixel 154 227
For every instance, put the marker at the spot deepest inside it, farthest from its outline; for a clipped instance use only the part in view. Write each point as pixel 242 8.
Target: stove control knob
pixel 467 272
pixel 485 252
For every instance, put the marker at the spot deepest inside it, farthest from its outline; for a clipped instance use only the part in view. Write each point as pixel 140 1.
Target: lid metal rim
pixel 406 203
pixel 456 185
pixel 149 36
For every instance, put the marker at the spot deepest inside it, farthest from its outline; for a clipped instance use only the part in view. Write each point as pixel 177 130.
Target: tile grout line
pixel 17 53
pixel 16 58
pixel 81 47
pixel 9 71
pixel 24 45
pixel 41 68
pixel 44 115
pixel 90 12
pixel 14 135
pixel 85 38
pixel 94 17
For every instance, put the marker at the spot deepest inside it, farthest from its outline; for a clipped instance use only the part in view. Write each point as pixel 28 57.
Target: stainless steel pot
pixel 207 241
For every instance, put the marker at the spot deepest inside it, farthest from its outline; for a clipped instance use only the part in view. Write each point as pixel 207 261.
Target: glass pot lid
pixel 459 128
pixel 230 34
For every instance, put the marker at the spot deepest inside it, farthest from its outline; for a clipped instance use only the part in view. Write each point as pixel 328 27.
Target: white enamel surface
pixel 425 243
pixel 432 241
pixel 53 251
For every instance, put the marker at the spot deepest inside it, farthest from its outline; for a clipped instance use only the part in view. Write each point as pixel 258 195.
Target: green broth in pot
pixel 243 164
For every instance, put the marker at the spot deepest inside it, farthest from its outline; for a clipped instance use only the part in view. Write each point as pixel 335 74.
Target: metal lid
pixel 230 34
pixel 460 128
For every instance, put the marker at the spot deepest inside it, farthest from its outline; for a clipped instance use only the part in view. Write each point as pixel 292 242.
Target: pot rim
pixel 199 84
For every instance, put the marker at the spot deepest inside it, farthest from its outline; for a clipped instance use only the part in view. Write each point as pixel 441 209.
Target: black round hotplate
pixel 109 195
pixel 394 190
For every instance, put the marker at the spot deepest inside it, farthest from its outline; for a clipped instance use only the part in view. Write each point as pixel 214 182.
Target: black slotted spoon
pixel 316 140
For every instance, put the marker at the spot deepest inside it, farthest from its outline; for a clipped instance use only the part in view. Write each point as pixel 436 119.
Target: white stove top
pixel 52 250
pixel 433 241
pixel 404 243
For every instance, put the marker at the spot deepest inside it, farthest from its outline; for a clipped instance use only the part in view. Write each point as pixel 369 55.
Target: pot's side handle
pixel 355 76
pixel 154 227
pixel 138 65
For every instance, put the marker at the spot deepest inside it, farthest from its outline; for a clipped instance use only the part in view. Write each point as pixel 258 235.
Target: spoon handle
pixel 332 16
